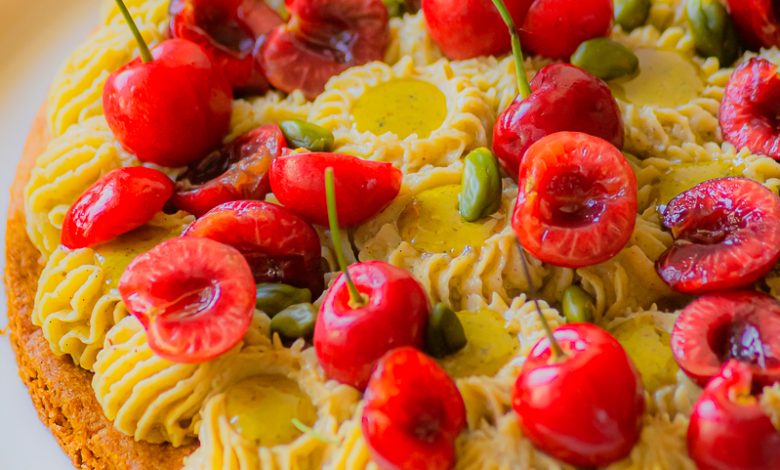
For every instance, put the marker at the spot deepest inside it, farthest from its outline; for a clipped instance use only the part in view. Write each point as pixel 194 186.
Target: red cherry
pixel 322 39
pixel 728 429
pixel 231 31
pixel 727 235
pixel 718 327
pixel 170 111
pixel 349 341
pixel 278 245
pixel 195 298
pixel 564 98
pixel 577 204
pixel 122 200
pixel 453 25
pixel 756 22
pixel 749 111
pixel 413 413
pixel 555 28
pixel 298 182
pixel 585 408
pixel 238 171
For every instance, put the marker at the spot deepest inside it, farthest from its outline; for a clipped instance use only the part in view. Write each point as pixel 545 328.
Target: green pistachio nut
pixel 480 193
pixel 631 14
pixel 302 134
pixel 445 334
pixel 713 31
pixel 605 58
pixel 296 321
pixel 577 305
pixel 273 298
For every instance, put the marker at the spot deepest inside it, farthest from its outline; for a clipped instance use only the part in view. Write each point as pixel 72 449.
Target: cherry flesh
pixel 756 21
pixel 555 28
pixel 727 235
pixel 195 298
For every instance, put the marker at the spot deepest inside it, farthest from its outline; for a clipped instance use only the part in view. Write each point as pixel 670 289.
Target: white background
pixel 35 37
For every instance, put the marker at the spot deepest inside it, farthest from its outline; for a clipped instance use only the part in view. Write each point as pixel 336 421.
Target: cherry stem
pixel 557 351
pixel 523 86
pixel 146 54
pixel 355 299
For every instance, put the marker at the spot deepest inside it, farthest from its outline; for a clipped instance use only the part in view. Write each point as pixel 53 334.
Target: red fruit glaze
pixel 585 409
pixel 363 187
pixel 727 235
pixel 413 413
pixel 576 204
pixel 122 200
pixel 565 98
pixel 171 111
pixel 322 39
pixel 750 107
pixel 195 298
pixel 453 25
pixel 719 327
pixel 238 171
pixel 555 28
pixel 278 246
pixel 231 31
pixel 728 429
pixel 349 341
pixel 756 22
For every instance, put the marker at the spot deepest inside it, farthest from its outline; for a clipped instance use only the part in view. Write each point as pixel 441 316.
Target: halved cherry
pixel 122 200
pixel 564 98
pixel 413 414
pixel 279 246
pixel 322 39
pixel 363 187
pixel 238 171
pixel 577 201
pixel 231 31
pixel 750 108
pixel 555 28
pixel 729 430
pixel 719 327
pixel 727 235
pixel 195 298
pixel 756 22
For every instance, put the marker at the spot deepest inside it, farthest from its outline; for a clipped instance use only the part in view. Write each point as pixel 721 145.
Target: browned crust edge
pixel 60 390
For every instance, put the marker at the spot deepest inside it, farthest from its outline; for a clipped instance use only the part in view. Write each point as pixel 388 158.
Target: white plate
pixel 35 37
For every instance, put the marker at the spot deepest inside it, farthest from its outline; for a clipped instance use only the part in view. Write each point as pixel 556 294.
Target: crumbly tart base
pixel 61 391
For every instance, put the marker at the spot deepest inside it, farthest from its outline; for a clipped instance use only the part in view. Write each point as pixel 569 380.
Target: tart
pixel 374 234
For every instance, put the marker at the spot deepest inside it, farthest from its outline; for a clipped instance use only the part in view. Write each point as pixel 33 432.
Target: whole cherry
pixel 561 97
pixel 122 200
pixel 371 308
pixel 555 28
pixel 171 106
pixel 413 413
pixel 729 430
pixel 756 21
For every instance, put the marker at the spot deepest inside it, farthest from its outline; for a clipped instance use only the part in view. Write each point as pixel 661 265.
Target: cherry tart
pixel 715 328
pixel 413 413
pixel 727 235
pixel 577 202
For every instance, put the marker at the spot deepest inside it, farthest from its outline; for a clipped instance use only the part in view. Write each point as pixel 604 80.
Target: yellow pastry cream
pixel 684 176
pixel 489 346
pixel 646 339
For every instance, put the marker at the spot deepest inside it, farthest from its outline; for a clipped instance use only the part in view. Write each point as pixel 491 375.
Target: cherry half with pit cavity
pixel 231 31
pixel 727 235
pixel 237 171
pixel 413 413
pixel 195 297
pixel 729 430
pixel 277 244
pixel 577 200
pixel 716 328
pixel 322 39
pixel 122 200
pixel 756 21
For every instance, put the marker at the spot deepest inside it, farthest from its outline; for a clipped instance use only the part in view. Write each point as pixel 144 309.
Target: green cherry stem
pixel 523 86
pixel 146 54
pixel 557 351
pixel 355 298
